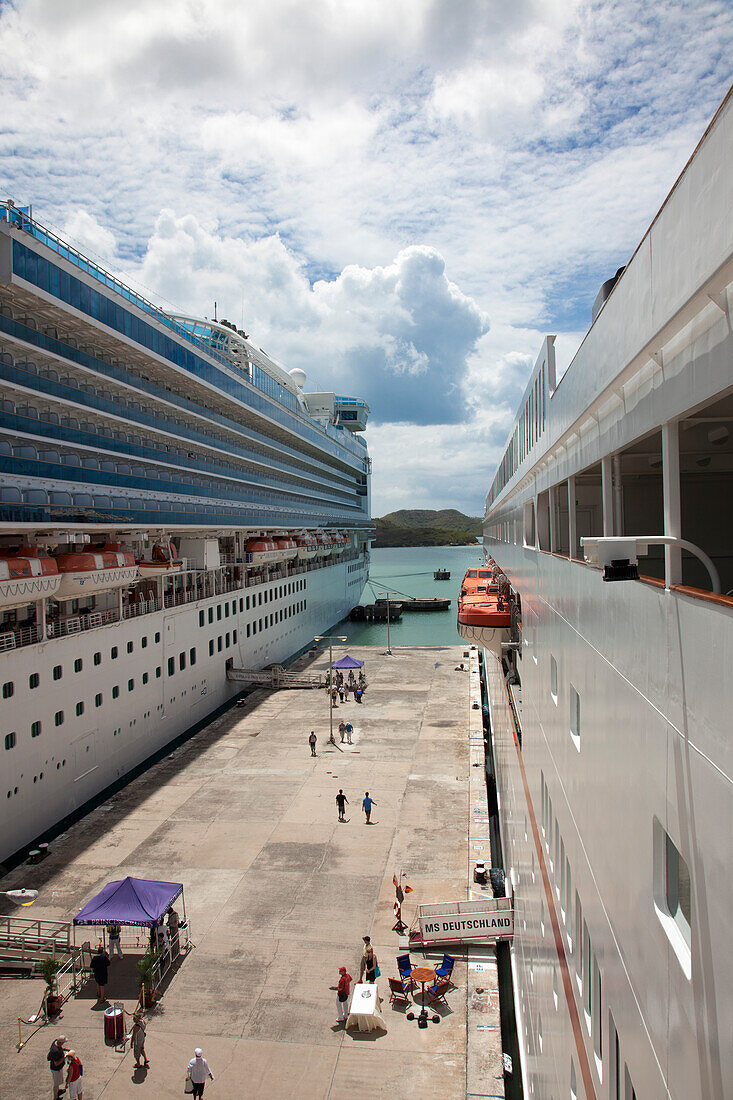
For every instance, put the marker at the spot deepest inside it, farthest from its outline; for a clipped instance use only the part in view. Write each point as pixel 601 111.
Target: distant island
pixel 421 527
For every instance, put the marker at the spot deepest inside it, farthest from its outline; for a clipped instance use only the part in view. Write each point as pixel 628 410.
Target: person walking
pixel 342 693
pixel 342 993
pixel 198 1070
pixel 56 1058
pixel 342 802
pixel 349 731
pixel 367 804
pixel 342 730
pixel 100 970
pixel 138 1040
pixel 74 1076
pixel 114 933
pixel 174 924
pixel 369 965
pixel 358 694
pixel 312 742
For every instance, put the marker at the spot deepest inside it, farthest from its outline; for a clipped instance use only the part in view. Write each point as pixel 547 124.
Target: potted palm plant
pixel 146 970
pixel 49 969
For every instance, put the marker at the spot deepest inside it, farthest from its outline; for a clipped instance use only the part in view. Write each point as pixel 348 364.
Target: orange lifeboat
pixel 100 569
pixel 484 613
pixel 307 547
pixel 325 546
pixel 27 573
pixel 287 548
pixel 163 561
pixel 259 552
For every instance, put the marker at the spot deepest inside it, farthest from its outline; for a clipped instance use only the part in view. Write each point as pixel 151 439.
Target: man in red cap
pixel 342 993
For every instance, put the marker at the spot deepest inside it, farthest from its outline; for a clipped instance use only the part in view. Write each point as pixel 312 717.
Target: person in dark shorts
pixel 312 742
pixel 100 970
pixel 342 802
pixel 198 1070
pixel 367 804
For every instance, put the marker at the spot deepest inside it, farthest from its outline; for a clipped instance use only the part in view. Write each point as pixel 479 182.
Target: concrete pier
pixel 279 894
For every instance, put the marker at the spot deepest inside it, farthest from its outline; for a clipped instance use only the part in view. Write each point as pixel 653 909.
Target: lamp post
pixel 330 638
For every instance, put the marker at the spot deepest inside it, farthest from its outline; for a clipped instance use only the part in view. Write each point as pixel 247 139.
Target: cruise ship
pixel 608 525
pixel 173 506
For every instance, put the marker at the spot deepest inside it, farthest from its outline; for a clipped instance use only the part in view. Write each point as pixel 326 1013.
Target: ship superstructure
pixel 610 518
pixel 170 505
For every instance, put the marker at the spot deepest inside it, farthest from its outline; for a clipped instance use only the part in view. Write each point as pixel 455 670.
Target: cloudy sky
pixel 399 196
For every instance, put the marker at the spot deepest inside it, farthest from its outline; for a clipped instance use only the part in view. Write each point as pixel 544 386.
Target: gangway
pixel 276 677
pixel 25 942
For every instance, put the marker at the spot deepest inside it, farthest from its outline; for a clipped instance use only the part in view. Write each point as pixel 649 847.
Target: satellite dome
pixel 298 376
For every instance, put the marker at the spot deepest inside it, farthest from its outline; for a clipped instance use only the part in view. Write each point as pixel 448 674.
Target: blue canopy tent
pixel 137 901
pixel 348 662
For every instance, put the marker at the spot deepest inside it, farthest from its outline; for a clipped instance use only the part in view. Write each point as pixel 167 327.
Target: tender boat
pixel 100 569
pixel 307 547
pixel 26 574
pixel 260 552
pixel 163 561
pixel 484 609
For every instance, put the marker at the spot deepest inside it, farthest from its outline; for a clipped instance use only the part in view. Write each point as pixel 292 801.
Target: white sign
pixel 482 920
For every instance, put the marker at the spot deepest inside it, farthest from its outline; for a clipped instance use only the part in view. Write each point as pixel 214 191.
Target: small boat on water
pixel 441 575
pixel 427 603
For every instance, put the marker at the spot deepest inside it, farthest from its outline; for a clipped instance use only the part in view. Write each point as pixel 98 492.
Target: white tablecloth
pixel 365 1011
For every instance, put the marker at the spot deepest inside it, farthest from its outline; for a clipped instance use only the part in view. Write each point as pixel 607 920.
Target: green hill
pixel 422 527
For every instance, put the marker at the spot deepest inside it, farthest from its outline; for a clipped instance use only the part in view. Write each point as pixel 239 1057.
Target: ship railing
pixel 19 636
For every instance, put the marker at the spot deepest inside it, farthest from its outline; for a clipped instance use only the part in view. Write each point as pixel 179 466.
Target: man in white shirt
pixel 198 1071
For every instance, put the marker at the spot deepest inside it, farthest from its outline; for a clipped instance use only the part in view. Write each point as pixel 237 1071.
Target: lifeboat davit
pixel 287 548
pixel 163 561
pixel 307 547
pixel 260 552
pixel 26 575
pixel 484 614
pixel 100 569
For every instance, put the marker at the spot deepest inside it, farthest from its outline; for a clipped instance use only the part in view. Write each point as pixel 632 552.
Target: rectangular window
pixel 158 672
pixel 201 618
pixel 130 685
pixel 553 679
pixel 597 1014
pixel 254 628
pixel 130 647
pixel 157 636
pixel 113 652
pixel 226 610
pixel 144 642
pixel 182 661
pixel 116 692
pixel 192 657
pixel 98 700
pixel 211 647
pixel 248 630
pixel 97 658
pixel 78 664
pixel 171 666
pixel 575 717
pixel 218 612
pixel 58 718
pixel 36 729
pixel 8 689
pixel 10 740
pixel 219 642
pixel 34 680
pixel 228 640
pixel 211 614
pixel 57 672
pixel 79 709
pixel 241 604
pixel 260 599
pixel 260 625
pixel 145 677
pixel 234 607
pixel 246 604
pixel 234 637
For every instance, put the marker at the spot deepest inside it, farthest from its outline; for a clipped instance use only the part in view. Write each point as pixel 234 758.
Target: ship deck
pixel 279 894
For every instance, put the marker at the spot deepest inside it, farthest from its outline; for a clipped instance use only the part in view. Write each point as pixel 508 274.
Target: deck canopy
pixel 348 662
pixel 139 901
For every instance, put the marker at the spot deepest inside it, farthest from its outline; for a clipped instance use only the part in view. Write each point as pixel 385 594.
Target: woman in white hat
pixel 198 1071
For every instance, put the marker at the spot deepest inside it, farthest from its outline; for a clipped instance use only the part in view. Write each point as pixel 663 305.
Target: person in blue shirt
pixel 367 804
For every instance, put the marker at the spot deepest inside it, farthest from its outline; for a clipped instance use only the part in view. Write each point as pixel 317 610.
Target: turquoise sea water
pixel 409 570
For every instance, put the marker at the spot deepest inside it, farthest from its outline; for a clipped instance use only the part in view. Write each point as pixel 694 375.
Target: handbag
pixel 188 1085
pixel 377 971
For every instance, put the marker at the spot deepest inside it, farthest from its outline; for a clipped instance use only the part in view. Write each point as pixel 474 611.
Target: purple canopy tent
pixel 139 901
pixel 348 662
